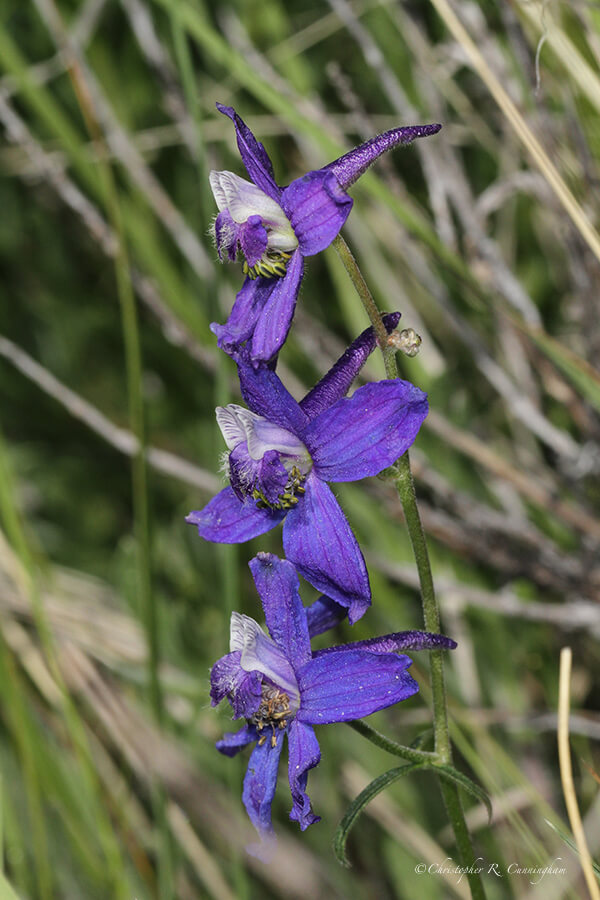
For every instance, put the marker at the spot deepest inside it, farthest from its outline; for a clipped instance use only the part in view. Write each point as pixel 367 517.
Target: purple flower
pixel 283 453
pixel 275 228
pixel 281 687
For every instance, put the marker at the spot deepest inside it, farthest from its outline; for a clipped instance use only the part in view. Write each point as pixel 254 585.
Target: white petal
pixel 235 423
pixel 244 199
pixel 266 435
pixel 261 654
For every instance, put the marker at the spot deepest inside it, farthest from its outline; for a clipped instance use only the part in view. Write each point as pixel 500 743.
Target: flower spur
pixel 275 228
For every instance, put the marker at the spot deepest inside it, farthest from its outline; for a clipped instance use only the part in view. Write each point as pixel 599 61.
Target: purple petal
pixel 401 640
pixel 254 156
pixel 304 754
pixel 247 307
pixel 342 686
pixel 259 789
pixel 319 542
pixel 336 383
pixel 362 435
pixel 277 583
pixel 261 654
pixel 355 163
pixel 228 679
pixel 317 207
pixel 324 614
pixel 226 235
pixel 252 236
pixel 231 743
pixel 275 319
pixel 268 474
pixel 225 520
pixel 266 395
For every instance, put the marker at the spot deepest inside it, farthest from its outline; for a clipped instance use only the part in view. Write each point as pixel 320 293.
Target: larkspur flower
pixel 280 687
pixel 283 453
pixel 275 228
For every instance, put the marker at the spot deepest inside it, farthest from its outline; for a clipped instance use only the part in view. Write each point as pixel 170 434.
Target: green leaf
pixel 356 807
pixel 452 774
pixel 570 843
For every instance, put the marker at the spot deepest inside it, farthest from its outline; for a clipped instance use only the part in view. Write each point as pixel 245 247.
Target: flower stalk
pixel 431 616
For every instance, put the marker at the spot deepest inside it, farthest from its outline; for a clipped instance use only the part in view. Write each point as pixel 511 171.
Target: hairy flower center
pixel 272 264
pixel 288 499
pixel 274 712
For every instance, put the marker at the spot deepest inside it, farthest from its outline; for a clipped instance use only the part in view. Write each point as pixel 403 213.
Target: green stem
pixel 380 740
pixel 406 491
pixel 462 837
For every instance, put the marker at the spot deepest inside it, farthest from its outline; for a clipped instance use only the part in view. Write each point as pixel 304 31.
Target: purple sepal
pixel 226 235
pixel 361 435
pixel 336 383
pixel 304 754
pixel 390 643
pixel 246 309
pixel 228 679
pixel 266 395
pixel 252 236
pixel 232 742
pixel 349 167
pixel 324 614
pixel 277 584
pixel 317 208
pixel 225 520
pixel 259 789
pixel 343 686
pixel 274 321
pixel 319 542
pixel 246 473
pixel 254 156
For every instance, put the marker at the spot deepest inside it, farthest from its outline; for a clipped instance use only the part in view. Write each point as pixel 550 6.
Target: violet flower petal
pixel 274 321
pixel 317 207
pixel 259 789
pixel 253 239
pixel 232 742
pixel 401 640
pixel 249 303
pixel 336 383
pixel 226 235
pixel 319 542
pixel 341 686
pixel 254 156
pixel 225 520
pixel 324 614
pixel 228 679
pixel 349 167
pixel 266 395
pixel 277 584
pixel 245 473
pixel 304 754
pixel 362 435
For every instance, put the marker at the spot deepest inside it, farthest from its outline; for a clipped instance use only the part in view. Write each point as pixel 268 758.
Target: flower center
pixel 273 712
pixel 273 264
pixel 286 500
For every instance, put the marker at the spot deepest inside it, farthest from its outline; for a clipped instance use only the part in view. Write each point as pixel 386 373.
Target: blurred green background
pixel 484 236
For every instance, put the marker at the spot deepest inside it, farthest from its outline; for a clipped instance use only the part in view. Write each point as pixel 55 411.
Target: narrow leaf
pixel 452 774
pixel 565 837
pixel 357 806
